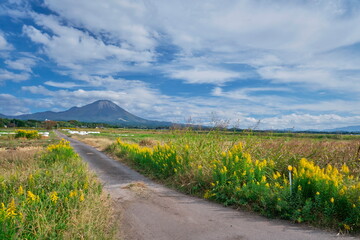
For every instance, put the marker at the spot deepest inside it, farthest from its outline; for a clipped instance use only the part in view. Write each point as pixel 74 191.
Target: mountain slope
pixel 102 111
pixel 345 129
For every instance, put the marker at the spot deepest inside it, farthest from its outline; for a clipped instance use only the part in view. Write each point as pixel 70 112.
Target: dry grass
pixel 322 152
pixel 148 142
pixel 21 159
pixel 92 220
pixel 100 143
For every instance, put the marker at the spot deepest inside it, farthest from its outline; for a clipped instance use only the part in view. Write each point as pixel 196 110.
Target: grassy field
pixel 47 192
pixel 251 170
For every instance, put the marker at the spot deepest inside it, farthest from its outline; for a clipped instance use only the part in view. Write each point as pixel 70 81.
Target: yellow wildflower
pixel 73 193
pixel 11 211
pixel 20 190
pixel 54 197
pixel 345 169
pixel 32 197
pixel 290 168
pixel 82 197
pixel 263 179
pixel 332 200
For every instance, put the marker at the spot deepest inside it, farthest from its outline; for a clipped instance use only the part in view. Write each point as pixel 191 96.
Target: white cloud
pixel 287 46
pixel 11 105
pixel 4 45
pixel 22 64
pixel 10 76
pixel 78 50
pixel 153 105
pixel 122 22
pixel 312 78
pixel 61 84
pixel 307 121
pixel 201 75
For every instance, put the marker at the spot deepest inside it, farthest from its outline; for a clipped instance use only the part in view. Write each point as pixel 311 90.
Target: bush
pixel 29 134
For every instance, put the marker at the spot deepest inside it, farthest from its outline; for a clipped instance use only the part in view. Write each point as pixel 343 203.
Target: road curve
pixel 150 211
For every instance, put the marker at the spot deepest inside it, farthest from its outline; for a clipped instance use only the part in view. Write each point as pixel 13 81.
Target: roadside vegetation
pixel 46 192
pixel 310 179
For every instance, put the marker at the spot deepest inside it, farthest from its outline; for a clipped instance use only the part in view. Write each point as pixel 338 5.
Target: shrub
pixel 29 134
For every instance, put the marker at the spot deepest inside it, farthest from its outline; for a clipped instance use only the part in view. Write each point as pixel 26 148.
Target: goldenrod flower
pixel 73 193
pixel 20 190
pixel 82 197
pixel 11 210
pixel 263 179
pixel 54 197
pixel 32 197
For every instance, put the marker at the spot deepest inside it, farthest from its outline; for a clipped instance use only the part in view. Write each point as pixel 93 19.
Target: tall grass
pixel 52 196
pixel 235 172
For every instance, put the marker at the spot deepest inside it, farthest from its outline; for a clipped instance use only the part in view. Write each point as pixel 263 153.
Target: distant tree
pixel 49 124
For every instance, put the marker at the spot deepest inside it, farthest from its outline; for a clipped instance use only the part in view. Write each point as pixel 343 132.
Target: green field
pixel 251 170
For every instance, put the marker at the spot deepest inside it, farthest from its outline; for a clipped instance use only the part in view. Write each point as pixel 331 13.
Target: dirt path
pixel 151 211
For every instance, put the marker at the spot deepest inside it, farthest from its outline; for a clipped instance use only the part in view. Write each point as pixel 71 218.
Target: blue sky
pixel 284 63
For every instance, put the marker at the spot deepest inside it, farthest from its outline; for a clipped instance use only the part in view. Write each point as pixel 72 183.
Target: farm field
pixel 251 170
pixel 47 192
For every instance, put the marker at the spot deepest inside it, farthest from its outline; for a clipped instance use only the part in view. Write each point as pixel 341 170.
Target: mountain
pixel 345 129
pixel 102 111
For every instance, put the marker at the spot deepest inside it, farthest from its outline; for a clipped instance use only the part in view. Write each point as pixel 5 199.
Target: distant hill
pixel 344 129
pixel 102 111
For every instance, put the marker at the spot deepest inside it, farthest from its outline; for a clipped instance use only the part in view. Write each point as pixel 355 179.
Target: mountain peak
pixel 105 104
pixel 99 111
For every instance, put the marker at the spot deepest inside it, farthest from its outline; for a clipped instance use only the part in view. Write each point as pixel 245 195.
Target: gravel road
pixel 151 211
